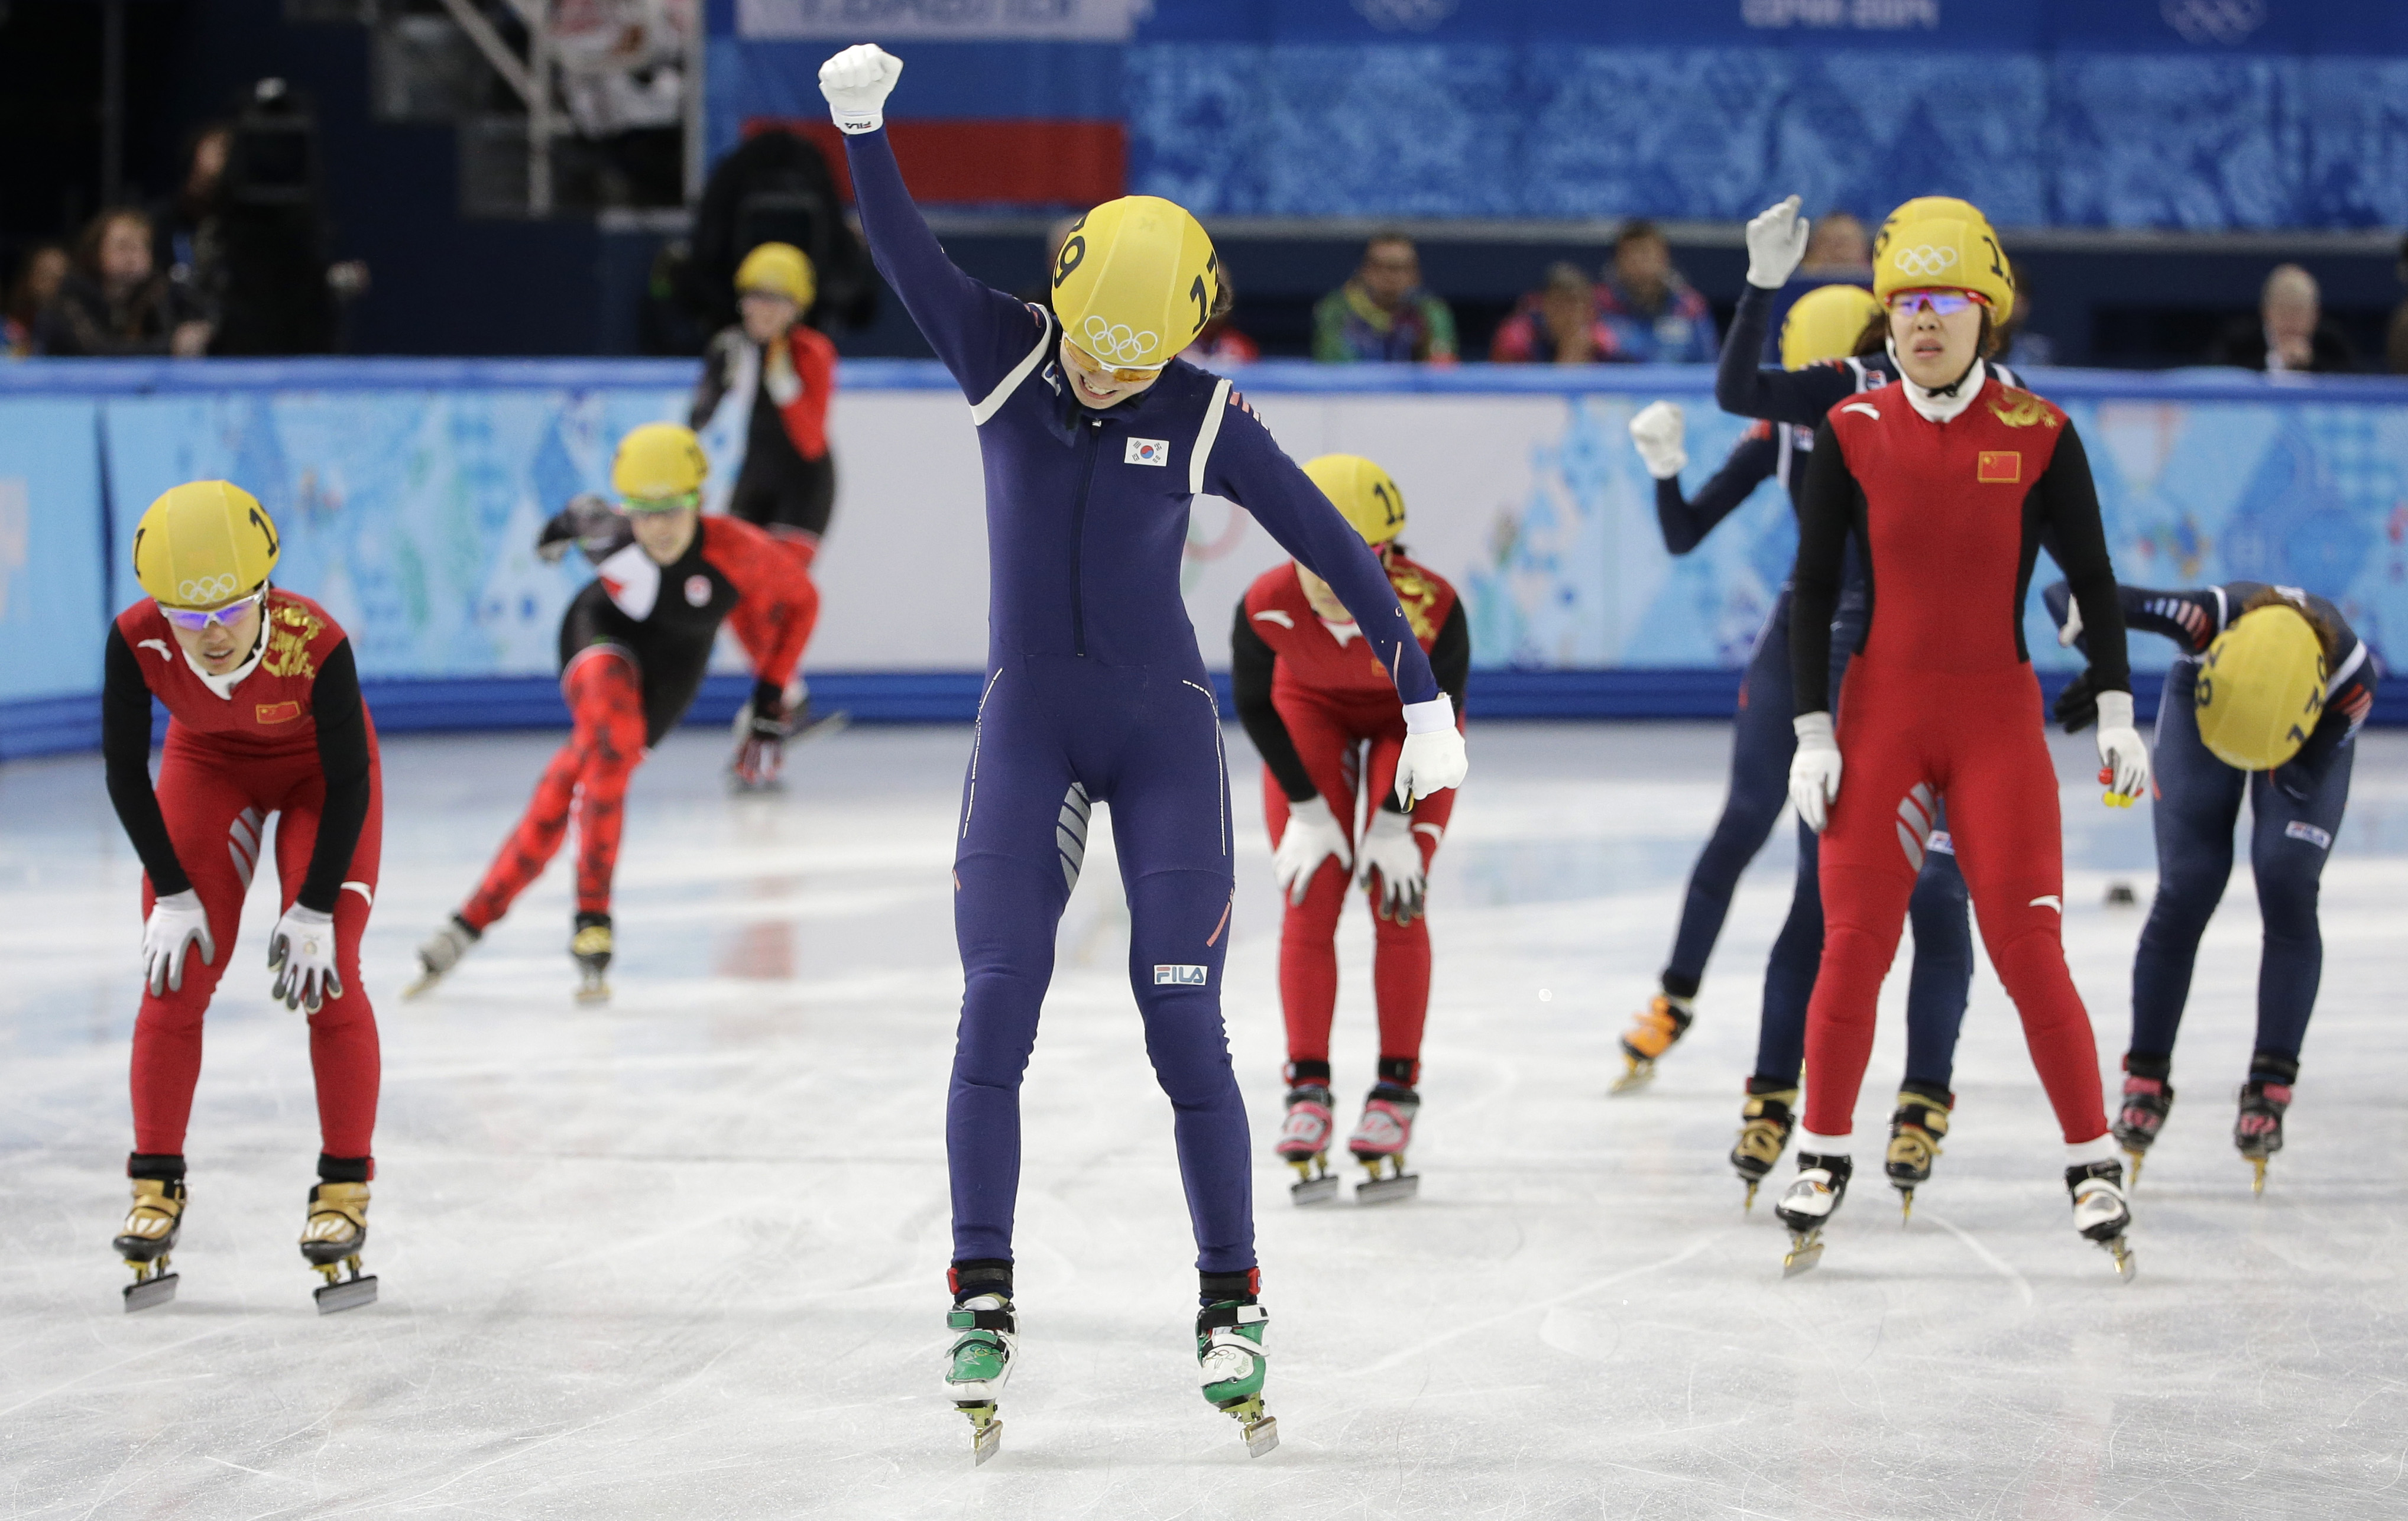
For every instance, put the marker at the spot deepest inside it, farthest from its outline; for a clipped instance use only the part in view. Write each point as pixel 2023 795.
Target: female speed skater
pixel 1322 712
pixel 264 716
pixel 1096 439
pixel 633 647
pixel 1947 478
pixel 2264 701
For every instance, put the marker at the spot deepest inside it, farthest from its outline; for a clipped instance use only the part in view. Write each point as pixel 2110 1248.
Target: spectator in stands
pixel 1383 313
pixel 1556 325
pixel 1218 344
pixel 1839 250
pixel 189 241
pixel 116 301
pixel 1656 318
pixel 2395 346
pixel 2290 332
pixel 2019 345
pixel 37 285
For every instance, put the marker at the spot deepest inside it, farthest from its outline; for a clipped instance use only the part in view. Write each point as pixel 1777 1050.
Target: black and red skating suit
pixel 1941 704
pixel 787 484
pixel 1322 710
pixel 290 736
pixel 634 646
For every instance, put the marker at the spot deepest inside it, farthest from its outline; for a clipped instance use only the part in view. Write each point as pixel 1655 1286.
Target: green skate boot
pixel 1229 1353
pixel 985 1333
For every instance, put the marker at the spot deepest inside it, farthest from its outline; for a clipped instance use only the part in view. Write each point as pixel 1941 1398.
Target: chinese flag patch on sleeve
pixel 2000 466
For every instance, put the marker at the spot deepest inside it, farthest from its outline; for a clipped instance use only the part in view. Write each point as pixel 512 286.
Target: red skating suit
pixel 1323 710
pixel 1941 704
pixel 230 762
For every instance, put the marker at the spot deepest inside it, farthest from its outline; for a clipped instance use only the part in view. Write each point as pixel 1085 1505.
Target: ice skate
pixel 2146 1103
pixel 986 1335
pixel 1304 1144
pixel 2258 1131
pixel 1916 1127
pixel 1807 1206
pixel 441 951
pixel 1229 1356
pixel 331 1239
pixel 1764 1131
pixel 1379 1143
pixel 1654 1031
pixel 591 946
pixel 2100 1211
pixel 149 1234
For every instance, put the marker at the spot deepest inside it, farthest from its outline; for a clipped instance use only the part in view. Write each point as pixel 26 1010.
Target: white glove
pixel 2123 760
pixel 176 922
pixel 1311 836
pixel 856 82
pixel 301 952
pixel 1776 240
pixel 1433 759
pixel 1658 431
pixel 2072 630
pixel 1392 853
pixel 1814 770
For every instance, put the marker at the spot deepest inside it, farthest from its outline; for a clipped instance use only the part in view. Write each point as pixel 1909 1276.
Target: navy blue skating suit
pixel 2295 812
pixel 1096 694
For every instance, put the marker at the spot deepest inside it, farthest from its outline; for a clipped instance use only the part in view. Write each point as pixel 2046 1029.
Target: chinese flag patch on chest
pixel 277 713
pixel 1999 467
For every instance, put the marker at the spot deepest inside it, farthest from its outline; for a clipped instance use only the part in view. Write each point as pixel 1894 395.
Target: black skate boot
pixel 333 1236
pixel 1916 1127
pixel 2148 1097
pixel 1304 1134
pixel 2100 1211
pixel 591 946
pixel 1807 1206
pixel 1764 1127
pixel 2258 1131
pixel 1654 1031
pixel 149 1232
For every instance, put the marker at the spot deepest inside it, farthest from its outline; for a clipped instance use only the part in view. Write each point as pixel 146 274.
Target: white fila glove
pixel 856 82
pixel 1393 857
pixel 1776 241
pixel 301 952
pixel 1311 836
pixel 176 922
pixel 1433 759
pixel 2122 761
pixel 1814 770
pixel 1658 431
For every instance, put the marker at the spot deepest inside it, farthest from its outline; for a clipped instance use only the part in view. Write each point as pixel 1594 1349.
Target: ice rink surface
pixel 683 1255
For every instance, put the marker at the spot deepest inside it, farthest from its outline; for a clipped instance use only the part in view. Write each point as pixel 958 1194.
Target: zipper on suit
pixel 1079 540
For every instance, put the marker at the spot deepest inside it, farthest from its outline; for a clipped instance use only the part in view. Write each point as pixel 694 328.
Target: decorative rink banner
pixel 411 493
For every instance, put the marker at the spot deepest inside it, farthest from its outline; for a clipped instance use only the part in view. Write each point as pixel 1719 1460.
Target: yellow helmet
pixel 203 544
pixel 1365 495
pixel 1924 207
pixel 781 269
pixel 659 467
pixel 1944 252
pixel 1136 281
pixel 1826 324
pixel 2261 689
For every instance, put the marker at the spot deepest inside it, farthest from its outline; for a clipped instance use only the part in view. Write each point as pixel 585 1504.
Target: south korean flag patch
pixel 1156 451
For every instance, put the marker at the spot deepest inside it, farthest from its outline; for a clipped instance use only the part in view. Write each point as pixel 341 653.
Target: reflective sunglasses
pixel 1125 376
pixel 1942 303
pixel 640 505
pixel 193 622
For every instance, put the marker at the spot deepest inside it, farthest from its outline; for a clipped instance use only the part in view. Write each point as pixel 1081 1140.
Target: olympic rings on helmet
pixel 1924 260
pixel 201 591
pixel 1116 345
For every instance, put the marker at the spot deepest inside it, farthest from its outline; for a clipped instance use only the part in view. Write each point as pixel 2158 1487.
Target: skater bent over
pixel 1948 476
pixel 2265 700
pixel 264 716
pixel 633 647
pixel 1322 713
pixel 1096 441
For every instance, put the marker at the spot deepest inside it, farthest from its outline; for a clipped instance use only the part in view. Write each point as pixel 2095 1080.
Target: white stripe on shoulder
pixel 1010 384
pixel 1204 436
pixel 1275 616
pixel 2222 608
pixel 2348 668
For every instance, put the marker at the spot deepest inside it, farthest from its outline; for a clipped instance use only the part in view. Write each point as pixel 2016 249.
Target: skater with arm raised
pixel 1940 702
pixel 264 716
pixel 634 645
pixel 2264 702
pixel 1096 439
pixel 1322 713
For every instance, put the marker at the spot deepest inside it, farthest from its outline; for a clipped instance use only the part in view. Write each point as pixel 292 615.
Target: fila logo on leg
pixel 1146 452
pixel 1179 976
pixel 1999 467
pixel 2303 830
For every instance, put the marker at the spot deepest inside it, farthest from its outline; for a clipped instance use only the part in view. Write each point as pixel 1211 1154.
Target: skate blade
pixel 1320 1190
pixel 1750 1203
pixel 1395 1190
pixel 1803 1256
pixel 1905 1206
pixel 425 985
pixel 986 1435
pixel 2127 1264
pixel 1261 1436
pixel 351 1294
pixel 2257 1175
pixel 821 729
pixel 1640 1074
pixel 595 991
pixel 2135 1158
pixel 149 1293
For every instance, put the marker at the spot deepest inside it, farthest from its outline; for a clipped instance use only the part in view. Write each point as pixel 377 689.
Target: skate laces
pixel 156 1210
